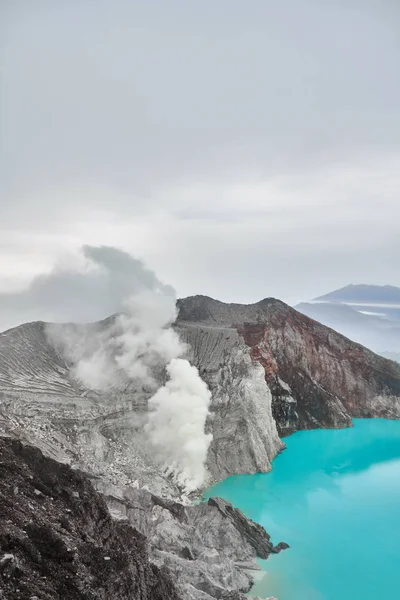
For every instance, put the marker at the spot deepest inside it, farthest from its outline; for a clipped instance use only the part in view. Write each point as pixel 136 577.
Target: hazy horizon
pixel 99 281
pixel 241 151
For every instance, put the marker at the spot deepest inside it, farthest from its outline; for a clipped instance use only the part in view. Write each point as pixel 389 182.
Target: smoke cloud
pixel 178 413
pixel 132 346
pixel 139 345
pixel 89 286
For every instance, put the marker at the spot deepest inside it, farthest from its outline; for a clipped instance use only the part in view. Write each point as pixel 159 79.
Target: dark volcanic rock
pixel 58 541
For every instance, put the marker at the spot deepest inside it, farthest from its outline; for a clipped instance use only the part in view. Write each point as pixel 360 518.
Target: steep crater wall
pixel 317 377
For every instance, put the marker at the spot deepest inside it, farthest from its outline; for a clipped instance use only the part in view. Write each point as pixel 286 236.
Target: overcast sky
pixel 241 149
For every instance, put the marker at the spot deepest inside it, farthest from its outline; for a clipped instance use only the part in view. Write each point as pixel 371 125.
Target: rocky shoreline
pixel 58 540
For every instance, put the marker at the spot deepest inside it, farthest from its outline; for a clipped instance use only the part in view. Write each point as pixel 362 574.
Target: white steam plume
pixel 178 413
pixel 137 346
pixel 134 345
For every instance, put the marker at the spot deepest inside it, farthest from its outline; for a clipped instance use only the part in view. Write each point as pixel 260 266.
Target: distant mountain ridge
pixel 379 333
pixel 363 293
pixel 367 314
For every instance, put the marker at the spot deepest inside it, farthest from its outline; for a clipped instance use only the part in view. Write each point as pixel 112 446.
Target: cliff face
pixel 317 377
pixel 245 437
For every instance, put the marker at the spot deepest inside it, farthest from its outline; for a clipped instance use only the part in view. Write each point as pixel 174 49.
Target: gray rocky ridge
pixel 271 371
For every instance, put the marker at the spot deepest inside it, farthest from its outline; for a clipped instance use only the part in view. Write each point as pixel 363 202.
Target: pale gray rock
pixel 208 552
pixel 102 434
pixel 209 548
pixel 245 438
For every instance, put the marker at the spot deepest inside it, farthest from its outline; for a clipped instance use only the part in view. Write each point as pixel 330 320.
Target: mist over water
pixel 334 496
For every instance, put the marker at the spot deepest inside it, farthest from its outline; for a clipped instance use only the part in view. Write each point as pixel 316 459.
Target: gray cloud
pixel 241 150
pixel 93 288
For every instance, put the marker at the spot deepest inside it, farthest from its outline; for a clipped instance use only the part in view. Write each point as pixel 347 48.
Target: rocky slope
pixel 58 540
pixel 209 547
pixel 271 371
pixel 103 433
pixel 42 404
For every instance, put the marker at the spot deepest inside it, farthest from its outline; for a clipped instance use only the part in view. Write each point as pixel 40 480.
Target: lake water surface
pixel 334 496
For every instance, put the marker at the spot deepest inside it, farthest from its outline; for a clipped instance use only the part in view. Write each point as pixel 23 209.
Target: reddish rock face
pixel 331 378
pixel 254 336
pixel 318 378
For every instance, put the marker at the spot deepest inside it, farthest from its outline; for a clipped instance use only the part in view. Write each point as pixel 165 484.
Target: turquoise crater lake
pixel 334 496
